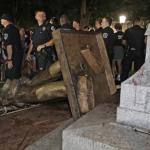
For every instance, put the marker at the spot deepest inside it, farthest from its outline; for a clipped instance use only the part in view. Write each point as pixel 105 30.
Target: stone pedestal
pixel 98 130
pixel 134 107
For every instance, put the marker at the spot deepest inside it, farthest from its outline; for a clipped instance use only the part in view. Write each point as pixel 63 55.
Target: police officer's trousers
pixel 130 58
pixel 44 59
pixel 15 72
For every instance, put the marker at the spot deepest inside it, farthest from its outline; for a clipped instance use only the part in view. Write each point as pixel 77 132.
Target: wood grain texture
pixel 75 62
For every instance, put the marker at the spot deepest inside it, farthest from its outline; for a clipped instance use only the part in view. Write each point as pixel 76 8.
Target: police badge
pixel 52 28
pixel 105 35
pixel 44 28
pixel 5 36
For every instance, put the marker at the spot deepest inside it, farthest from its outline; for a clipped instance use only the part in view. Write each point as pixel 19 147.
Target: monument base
pixel 133 118
pixel 134 107
pixel 98 130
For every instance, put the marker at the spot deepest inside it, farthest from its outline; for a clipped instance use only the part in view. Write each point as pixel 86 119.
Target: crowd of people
pixel 34 50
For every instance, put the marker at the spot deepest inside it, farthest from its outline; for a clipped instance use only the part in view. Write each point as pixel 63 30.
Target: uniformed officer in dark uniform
pixel 41 41
pixel 108 36
pixel 12 44
pixel 134 39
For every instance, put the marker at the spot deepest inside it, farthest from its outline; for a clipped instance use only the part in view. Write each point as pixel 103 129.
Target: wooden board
pixel 74 49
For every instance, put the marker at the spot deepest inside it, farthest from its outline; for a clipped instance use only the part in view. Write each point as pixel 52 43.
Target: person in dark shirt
pixel 65 23
pixel 41 41
pixel 98 25
pixel 134 38
pixel 76 25
pixel 54 22
pixel 108 36
pixel 14 52
pixel 23 38
pixel 118 51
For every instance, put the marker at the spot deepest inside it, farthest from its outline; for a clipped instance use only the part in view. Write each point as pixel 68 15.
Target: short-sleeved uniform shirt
pixel 41 35
pixel 118 37
pixel 108 36
pixel 135 39
pixel 99 30
pixel 118 50
pixel 11 37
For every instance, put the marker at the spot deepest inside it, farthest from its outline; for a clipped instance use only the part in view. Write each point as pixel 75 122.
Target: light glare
pixel 122 19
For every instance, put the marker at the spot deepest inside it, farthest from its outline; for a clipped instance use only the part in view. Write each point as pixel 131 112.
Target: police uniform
pixel 118 50
pixel 99 30
pixel 11 37
pixel 136 50
pixel 41 35
pixel 108 36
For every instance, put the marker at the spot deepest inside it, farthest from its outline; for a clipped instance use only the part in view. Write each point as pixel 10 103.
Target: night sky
pixel 23 10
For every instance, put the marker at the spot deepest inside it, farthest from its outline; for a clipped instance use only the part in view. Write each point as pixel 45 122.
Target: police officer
pixel 41 41
pixel 108 36
pixel 14 53
pixel 134 39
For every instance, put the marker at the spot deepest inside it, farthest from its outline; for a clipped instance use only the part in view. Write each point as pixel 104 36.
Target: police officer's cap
pixel 7 17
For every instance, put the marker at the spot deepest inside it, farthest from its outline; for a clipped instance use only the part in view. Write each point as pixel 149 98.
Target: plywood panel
pixel 70 46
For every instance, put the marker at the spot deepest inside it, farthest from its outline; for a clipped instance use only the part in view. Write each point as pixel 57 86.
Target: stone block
pixel 133 118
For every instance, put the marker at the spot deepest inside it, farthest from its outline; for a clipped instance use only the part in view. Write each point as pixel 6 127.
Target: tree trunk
pixel 85 14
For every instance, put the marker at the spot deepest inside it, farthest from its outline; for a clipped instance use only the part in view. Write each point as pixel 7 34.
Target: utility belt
pixel 132 49
pixel 129 50
pixel 45 50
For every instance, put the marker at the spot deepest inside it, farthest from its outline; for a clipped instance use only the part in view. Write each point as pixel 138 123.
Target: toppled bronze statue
pixel 44 86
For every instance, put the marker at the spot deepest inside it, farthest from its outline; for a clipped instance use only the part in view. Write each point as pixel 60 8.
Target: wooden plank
pixel 96 65
pixel 107 66
pixel 85 94
pixel 74 105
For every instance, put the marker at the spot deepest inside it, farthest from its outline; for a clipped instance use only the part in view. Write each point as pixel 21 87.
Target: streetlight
pixel 122 19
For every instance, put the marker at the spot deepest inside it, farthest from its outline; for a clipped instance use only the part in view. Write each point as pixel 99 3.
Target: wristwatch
pixel 9 59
